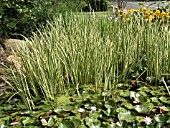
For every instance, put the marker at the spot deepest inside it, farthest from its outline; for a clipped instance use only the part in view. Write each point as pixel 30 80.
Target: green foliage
pixel 25 16
pixel 111 110
pixel 22 16
pixel 98 5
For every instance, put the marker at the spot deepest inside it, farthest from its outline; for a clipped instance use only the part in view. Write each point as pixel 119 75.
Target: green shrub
pixel 98 5
pixel 21 16
pixel 25 16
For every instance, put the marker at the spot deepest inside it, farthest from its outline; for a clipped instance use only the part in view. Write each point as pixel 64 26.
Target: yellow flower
pixel 157 12
pixel 150 11
pixel 121 13
pixel 164 13
pixel 146 15
pixel 143 9
pixel 136 10
pixel 127 18
pixel 151 18
pixel 132 10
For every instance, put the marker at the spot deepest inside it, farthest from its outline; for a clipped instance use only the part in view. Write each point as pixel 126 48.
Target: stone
pixel 8 44
pixel 8 59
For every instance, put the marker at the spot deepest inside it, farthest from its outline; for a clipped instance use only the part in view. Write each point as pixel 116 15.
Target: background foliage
pixel 96 5
pixel 24 16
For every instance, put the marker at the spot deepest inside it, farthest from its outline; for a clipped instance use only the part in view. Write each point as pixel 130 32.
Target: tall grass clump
pixel 81 50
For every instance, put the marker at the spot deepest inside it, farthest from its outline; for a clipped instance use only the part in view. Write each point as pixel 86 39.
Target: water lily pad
pixel 67 124
pixel 143 93
pixel 127 116
pixel 112 126
pixel 84 114
pixel 45 107
pixel 161 118
pixel 76 122
pixel 123 86
pixel 121 109
pixel 58 110
pixel 28 120
pixel 164 100
pixel 137 97
pixel 110 103
pixel 50 122
pixel 68 107
pixel 143 109
pixel 8 107
pixel 110 112
pixel 95 115
pixel 154 100
pixel 124 93
pixel 160 125
pixel 87 92
pixel 6 120
pixel 156 93
pixel 144 89
pixel 106 93
pixel 27 113
pixel 44 122
pixel 139 118
pixel 128 105
pixel 39 113
pixel 167 109
pixel 91 122
pixel 15 113
pixel 62 100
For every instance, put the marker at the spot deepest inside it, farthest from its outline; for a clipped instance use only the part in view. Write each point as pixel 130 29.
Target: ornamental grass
pixel 80 50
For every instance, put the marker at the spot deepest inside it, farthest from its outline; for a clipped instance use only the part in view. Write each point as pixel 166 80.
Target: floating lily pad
pixel 154 100
pixel 76 122
pixel 124 93
pixel 160 125
pixel 144 89
pixel 164 100
pixel 121 109
pixel 50 122
pixel 45 107
pixel 87 92
pixel 8 107
pixel 6 120
pixel 127 116
pixel 161 118
pixel 106 93
pixel 128 105
pixel 58 110
pixel 137 97
pixel 123 86
pixel 67 124
pixel 28 121
pixel 167 109
pixel 110 103
pixel 95 115
pixel 140 119
pixel 110 112
pixel 142 109
pixel 91 122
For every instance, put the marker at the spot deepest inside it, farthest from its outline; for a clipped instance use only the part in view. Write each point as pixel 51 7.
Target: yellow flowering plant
pixel 160 16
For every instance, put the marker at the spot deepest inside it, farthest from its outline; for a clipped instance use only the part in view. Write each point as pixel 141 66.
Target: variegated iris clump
pixel 149 14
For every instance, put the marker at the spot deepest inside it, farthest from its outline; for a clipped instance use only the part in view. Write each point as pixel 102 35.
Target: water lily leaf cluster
pixel 112 109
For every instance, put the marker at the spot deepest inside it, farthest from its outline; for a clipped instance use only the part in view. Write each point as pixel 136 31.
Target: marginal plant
pixel 86 49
